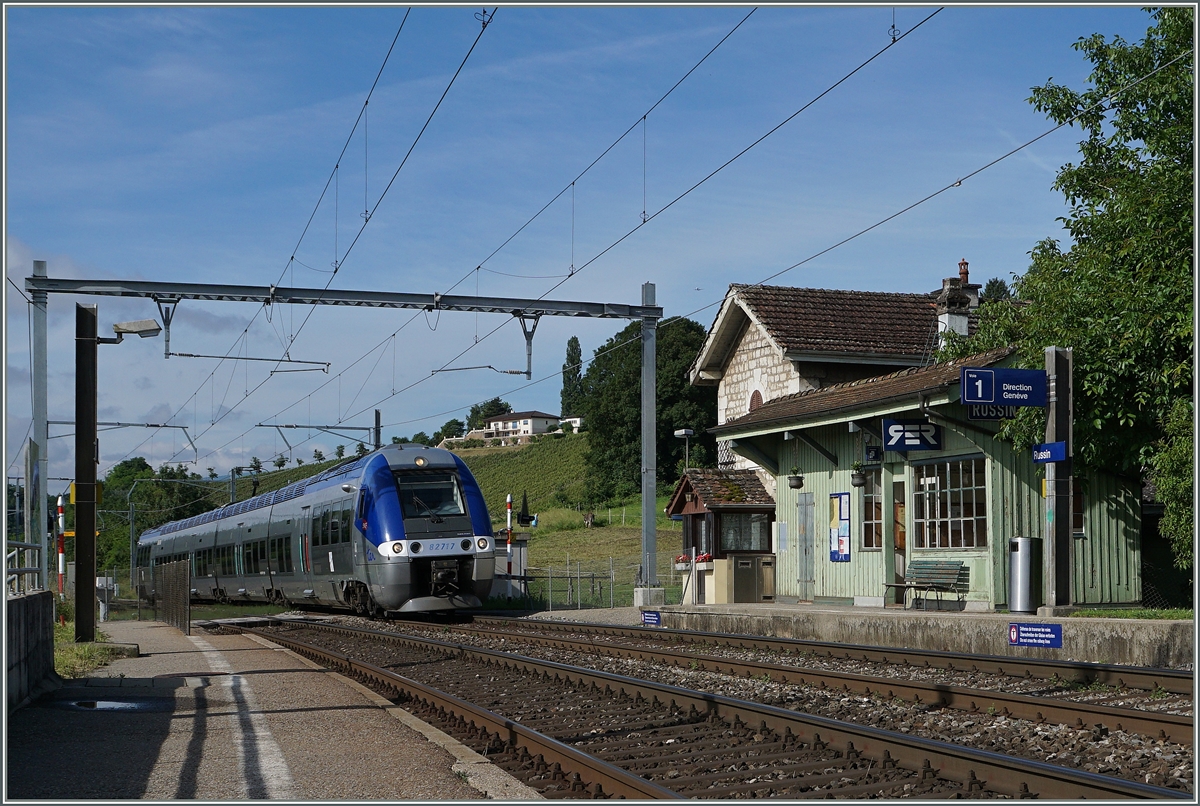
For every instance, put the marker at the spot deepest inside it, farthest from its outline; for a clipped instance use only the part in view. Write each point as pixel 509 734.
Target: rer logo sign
pixel 911 435
pixel 1003 387
pixel 1043 635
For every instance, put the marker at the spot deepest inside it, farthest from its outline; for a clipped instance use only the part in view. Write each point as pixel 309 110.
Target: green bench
pixel 933 576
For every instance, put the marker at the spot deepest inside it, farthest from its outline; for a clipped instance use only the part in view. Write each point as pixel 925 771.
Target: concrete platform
pixel 231 717
pixel 1135 642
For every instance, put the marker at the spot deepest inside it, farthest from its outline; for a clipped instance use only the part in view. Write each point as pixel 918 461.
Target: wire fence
pixel 592 584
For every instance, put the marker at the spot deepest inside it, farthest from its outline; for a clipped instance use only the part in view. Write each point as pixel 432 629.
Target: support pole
pixel 1058 548
pixel 85 473
pixel 378 426
pixel 649 579
pixel 41 432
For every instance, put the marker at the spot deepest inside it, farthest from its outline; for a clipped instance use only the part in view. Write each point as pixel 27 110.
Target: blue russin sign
pixel 1043 635
pixel 1003 387
pixel 1050 452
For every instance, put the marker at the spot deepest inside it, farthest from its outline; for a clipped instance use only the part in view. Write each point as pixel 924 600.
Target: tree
pixel 256 464
pixel 171 493
pixel 1173 469
pixel 339 451
pixel 612 406
pixel 453 429
pixel 481 411
pixel 995 290
pixel 299 461
pixel 317 455
pixel 398 440
pixel 572 374
pixel 421 438
pixel 360 450
pixel 212 474
pixel 1121 294
pixel 280 461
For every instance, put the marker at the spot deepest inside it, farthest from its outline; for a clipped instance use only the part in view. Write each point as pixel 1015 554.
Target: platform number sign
pixel 1003 387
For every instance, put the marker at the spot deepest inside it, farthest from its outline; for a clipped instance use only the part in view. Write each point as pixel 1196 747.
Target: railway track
pixel 573 732
pixel 647 646
pixel 1135 677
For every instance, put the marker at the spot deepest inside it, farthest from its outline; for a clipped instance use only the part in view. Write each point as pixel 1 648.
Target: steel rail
pixel 972 768
pixel 1173 727
pixel 1175 681
pixel 613 779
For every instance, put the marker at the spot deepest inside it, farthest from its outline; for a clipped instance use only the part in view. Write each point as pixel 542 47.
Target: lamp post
pixel 87 455
pixel 686 433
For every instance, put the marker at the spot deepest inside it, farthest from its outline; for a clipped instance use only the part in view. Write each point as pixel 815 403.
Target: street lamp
pixel 87 455
pixel 685 433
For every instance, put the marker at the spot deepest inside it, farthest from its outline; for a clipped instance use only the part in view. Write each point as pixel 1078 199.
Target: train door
pixel 303 531
pixel 341 528
pixel 899 536
pixel 806 525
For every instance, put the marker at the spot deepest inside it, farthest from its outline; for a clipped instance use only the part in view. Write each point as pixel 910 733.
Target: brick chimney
pixel 953 304
pixel 971 289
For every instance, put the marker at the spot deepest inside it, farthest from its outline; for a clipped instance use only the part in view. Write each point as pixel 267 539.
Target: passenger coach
pixel 402 529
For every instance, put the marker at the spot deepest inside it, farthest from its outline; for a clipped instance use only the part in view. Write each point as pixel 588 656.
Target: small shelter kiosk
pixel 727 517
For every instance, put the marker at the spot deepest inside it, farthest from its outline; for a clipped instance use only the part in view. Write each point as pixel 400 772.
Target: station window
pixel 873 510
pixel 745 532
pixel 950 504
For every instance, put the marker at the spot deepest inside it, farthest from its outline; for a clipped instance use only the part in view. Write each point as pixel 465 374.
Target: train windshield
pixel 429 495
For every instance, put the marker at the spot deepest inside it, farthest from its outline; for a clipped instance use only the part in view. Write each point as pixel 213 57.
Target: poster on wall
pixel 839 527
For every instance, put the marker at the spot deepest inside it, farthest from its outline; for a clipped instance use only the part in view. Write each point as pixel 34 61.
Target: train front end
pixel 430 535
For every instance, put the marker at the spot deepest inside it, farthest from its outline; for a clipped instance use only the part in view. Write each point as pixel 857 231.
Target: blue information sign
pixel 1050 452
pixel 1003 387
pixel 1045 635
pixel 911 435
pixel 651 618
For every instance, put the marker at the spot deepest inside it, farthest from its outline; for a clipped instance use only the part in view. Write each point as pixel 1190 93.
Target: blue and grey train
pixel 402 529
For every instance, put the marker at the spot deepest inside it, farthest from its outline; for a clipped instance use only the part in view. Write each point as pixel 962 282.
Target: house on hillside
pixel 770 341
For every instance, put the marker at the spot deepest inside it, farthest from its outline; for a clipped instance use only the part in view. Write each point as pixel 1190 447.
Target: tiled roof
pixel 824 320
pixel 724 487
pixel 907 383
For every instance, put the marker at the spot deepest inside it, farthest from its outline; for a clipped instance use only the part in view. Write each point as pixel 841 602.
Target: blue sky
pixel 192 144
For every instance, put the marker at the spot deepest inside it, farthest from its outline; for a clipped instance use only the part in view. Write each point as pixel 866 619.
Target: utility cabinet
pixel 753 578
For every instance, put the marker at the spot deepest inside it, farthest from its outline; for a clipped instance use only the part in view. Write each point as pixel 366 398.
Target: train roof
pixel 293 490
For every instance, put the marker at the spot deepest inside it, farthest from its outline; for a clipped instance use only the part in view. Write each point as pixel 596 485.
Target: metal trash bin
pixel 1024 574
pixel 753 578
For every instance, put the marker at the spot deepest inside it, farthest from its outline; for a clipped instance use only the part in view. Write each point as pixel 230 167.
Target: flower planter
pixel 795 482
pixel 858 479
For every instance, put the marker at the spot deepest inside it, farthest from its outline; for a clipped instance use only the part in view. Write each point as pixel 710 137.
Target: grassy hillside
pixel 550 471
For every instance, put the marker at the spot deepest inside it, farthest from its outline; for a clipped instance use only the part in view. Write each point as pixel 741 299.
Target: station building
pixel 805 397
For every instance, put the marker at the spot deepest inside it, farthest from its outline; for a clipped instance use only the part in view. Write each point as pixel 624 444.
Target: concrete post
pixel 41 434
pixel 85 473
pixel 651 592
pixel 1058 549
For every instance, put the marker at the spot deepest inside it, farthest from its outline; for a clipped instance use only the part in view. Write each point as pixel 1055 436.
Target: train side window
pixel 346 517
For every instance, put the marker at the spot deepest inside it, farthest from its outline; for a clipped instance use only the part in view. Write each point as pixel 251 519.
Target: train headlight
pixel 482 543
pixel 465 544
pixel 414 547
pixel 397 548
